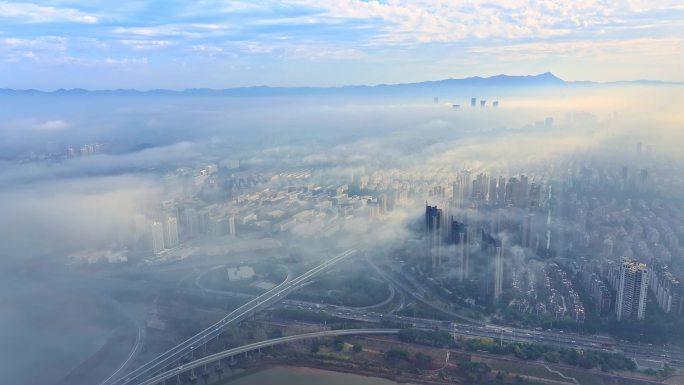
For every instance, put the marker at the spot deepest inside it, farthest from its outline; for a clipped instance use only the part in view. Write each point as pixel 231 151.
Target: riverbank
pixel 249 369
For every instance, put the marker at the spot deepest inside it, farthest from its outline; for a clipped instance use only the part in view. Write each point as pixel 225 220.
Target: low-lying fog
pixel 68 280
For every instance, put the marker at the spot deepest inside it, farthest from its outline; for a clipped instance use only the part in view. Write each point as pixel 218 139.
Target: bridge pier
pixel 219 370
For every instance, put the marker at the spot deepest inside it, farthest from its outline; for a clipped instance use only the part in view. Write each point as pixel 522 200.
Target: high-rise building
pixel 548 121
pixel 433 238
pixel 512 191
pixel 480 186
pixel 527 230
pixel 501 191
pixel 171 232
pixel 189 223
pixel 498 271
pixel 473 102
pixel 458 193
pixel 491 271
pixel 157 233
pixel 491 191
pixel 667 290
pixel 231 225
pixel 483 103
pixel 632 290
pixel 459 237
pixel 521 198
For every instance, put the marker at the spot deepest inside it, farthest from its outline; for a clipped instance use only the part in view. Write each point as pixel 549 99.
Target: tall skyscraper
pixel 157 232
pixel 492 269
pixel 231 225
pixel 189 223
pixel 458 193
pixel 433 235
pixel 473 102
pixel 512 191
pixel 171 232
pixel 521 198
pixel 501 191
pixel 632 290
pixel 498 271
pixel 527 230
pixel 491 191
pixel 459 237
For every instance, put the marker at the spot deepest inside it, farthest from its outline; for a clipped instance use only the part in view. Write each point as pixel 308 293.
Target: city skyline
pixel 368 191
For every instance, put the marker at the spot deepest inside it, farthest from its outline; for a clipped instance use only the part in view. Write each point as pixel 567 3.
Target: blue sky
pixel 217 44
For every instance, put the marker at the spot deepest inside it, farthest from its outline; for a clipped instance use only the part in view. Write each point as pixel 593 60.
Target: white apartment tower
pixel 632 290
pixel 157 233
pixel 171 232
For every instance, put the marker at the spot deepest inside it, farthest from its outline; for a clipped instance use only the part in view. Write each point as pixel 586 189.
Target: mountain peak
pixel 548 75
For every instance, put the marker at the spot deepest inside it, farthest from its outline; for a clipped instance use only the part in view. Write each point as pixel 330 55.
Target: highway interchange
pixel 467 327
pixel 198 340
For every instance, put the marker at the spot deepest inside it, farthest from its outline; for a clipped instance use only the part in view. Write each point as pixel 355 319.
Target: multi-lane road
pixel 198 340
pixel 471 327
pixel 477 328
pixel 213 358
pixel 671 355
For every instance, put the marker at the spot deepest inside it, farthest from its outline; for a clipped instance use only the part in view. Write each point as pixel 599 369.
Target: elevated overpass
pixel 257 304
pixel 216 357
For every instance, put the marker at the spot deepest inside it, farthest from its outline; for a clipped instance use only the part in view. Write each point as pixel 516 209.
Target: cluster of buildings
pixel 483 103
pixel 667 290
pixel 87 149
pixel 563 298
pixel 475 219
pixel 545 289
pixel 601 296
pixel 264 204
pixel 162 234
pixel 619 288
pixel 613 211
pixel 62 154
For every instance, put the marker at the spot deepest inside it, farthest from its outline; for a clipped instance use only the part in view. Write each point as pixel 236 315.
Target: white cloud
pixel 193 30
pixel 586 48
pixel 424 21
pixel 34 13
pixel 53 125
pixel 124 61
pixel 143 45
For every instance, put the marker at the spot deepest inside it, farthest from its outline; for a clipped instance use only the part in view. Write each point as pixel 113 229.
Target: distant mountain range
pixel 500 82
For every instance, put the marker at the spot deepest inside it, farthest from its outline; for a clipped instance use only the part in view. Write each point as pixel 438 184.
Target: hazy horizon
pixel 443 192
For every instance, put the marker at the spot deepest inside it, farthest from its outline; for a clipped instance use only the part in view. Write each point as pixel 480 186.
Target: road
pixel 198 340
pixel 416 295
pixel 559 338
pixel 477 328
pixel 201 362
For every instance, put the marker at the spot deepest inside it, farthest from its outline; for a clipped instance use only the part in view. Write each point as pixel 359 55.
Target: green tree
pixel 395 355
pixel 552 357
pixel 423 360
